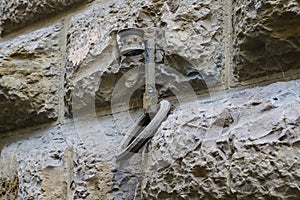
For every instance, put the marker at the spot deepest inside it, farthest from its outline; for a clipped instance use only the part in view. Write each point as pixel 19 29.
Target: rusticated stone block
pixel 266 171
pixel 243 147
pixel 68 161
pixel 30 74
pixel 18 13
pixel 189 39
pixel 266 38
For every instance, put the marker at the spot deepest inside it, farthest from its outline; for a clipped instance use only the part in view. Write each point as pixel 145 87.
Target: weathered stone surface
pixel 189 37
pixel 39 167
pixel 9 187
pixel 16 14
pixel 243 146
pixel 95 172
pixel 73 161
pixel 30 74
pixel 266 38
pixel 9 181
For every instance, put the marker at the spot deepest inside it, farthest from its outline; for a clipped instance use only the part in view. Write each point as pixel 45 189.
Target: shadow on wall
pixel 266 38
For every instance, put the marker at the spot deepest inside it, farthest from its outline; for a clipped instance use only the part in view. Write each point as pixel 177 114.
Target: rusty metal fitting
pixel 131 42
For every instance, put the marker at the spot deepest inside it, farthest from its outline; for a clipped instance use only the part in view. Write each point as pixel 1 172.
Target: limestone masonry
pixel 230 69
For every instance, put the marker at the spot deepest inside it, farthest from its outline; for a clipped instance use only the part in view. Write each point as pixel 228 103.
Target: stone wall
pixel 243 146
pixel 64 89
pixel 266 38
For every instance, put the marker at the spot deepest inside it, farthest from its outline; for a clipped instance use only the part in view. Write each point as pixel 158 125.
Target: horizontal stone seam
pixel 48 21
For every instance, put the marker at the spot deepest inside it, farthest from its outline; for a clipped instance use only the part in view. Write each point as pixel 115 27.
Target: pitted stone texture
pixel 96 174
pixel 244 145
pixel 266 171
pixel 40 165
pixel 92 31
pixel 30 74
pixel 9 181
pixel 194 30
pixel 190 31
pixel 16 14
pixel 70 161
pixel 266 38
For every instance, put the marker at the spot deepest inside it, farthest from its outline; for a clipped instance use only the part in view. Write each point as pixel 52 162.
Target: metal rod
pixel 150 96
